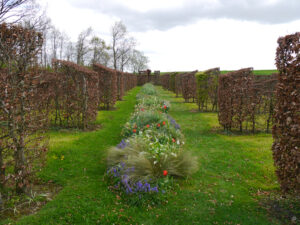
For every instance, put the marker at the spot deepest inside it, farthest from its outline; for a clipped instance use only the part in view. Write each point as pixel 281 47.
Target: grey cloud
pixel 162 19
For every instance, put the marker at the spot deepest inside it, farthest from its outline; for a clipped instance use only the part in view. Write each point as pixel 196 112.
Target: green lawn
pixel 256 72
pixel 232 169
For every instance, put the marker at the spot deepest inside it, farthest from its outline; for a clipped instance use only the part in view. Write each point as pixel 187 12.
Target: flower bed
pixel 151 154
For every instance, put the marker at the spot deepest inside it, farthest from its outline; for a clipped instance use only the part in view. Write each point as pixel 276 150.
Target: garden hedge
pixel 286 129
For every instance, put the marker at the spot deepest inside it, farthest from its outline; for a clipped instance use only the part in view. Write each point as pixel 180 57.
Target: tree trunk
pixel 20 145
pixel 19 168
pixel 270 115
pixel 2 169
pixel 85 101
pixel 253 122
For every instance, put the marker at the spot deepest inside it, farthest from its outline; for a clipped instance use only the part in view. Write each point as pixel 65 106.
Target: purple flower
pixel 155 189
pixel 139 186
pixel 173 122
pixel 128 190
pixel 122 144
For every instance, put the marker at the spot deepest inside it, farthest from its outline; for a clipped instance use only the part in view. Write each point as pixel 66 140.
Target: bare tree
pixel 70 52
pixel 37 20
pixel 126 51
pixel 44 52
pixel 122 45
pixel 11 10
pixel 118 32
pixel 82 45
pixel 45 31
pixel 99 50
pixel 63 38
pixel 36 17
pixel 55 35
pixel 138 61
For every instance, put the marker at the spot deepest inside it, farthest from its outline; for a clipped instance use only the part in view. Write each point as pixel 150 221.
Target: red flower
pixel 165 107
pixel 134 130
pixel 158 125
pixel 163 123
pixel 165 172
pixel 173 140
pixel 147 125
pixel 142 109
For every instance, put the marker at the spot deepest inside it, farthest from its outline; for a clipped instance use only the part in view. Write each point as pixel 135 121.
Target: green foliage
pixel 149 102
pixel 139 120
pixel 202 89
pixel 148 89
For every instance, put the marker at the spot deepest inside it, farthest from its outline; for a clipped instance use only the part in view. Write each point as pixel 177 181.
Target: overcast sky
pixel 180 35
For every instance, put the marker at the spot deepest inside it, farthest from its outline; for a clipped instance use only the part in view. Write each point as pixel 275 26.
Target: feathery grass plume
pixel 141 163
pixel 182 164
pixel 136 158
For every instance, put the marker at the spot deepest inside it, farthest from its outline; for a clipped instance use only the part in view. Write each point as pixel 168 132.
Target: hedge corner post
pixel 286 129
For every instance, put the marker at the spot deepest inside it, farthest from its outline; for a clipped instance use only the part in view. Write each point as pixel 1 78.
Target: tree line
pixel 120 54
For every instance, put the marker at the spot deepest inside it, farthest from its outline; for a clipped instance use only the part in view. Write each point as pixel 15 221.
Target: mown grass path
pixel 232 169
pixel 76 161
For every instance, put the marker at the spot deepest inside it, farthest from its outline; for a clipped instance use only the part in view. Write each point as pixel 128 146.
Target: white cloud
pixel 186 12
pixel 229 44
pixel 73 20
pixel 185 45
pixel 145 6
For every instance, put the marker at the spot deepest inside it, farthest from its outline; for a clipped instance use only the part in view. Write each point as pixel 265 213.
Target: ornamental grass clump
pixel 148 89
pixel 152 153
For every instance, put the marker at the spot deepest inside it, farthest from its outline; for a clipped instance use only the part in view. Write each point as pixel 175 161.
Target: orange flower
pixel 165 172
pixel 158 125
pixel 163 123
pixel 134 130
pixel 147 125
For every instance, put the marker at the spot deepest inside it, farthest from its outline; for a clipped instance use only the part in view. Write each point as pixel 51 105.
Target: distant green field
pixel 255 72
